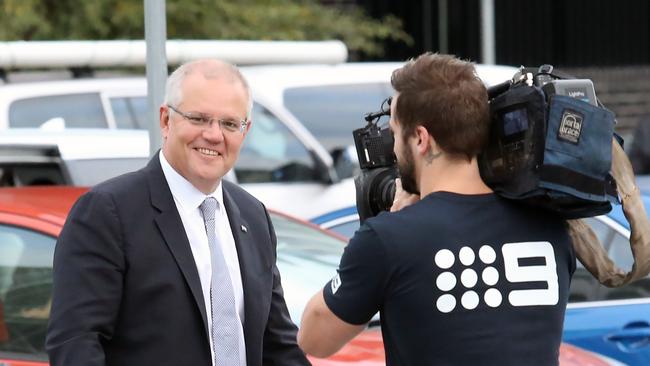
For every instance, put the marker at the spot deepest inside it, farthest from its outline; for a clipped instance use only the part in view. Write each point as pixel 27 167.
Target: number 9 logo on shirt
pixel 522 262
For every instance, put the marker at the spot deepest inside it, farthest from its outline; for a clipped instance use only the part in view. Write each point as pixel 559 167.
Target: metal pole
pixel 487 32
pixel 443 27
pixel 155 32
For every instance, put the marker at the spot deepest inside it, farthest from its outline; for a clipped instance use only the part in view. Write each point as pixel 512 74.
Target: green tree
pixel 200 19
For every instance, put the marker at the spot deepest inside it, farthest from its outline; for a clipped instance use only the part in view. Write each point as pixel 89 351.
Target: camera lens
pixel 385 193
pixel 375 191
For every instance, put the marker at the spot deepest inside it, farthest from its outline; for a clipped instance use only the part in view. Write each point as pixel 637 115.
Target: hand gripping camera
pixel 375 184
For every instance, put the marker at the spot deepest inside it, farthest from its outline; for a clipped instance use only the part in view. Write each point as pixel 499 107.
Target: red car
pixel 31 219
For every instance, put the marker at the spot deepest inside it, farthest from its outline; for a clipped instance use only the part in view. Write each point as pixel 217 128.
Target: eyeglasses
pixel 202 120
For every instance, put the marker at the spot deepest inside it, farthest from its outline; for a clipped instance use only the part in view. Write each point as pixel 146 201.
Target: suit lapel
pixel 171 228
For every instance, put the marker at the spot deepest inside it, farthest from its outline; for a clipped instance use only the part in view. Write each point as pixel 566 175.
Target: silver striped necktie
pixel 225 335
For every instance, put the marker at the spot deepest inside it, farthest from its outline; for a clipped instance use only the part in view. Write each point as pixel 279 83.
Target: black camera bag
pixel 551 152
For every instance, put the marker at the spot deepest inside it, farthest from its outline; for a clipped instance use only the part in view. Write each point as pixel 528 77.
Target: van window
pixel 130 112
pixel 331 112
pixel 70 110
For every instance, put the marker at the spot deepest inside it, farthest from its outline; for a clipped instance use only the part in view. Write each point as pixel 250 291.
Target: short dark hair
pixel 445 95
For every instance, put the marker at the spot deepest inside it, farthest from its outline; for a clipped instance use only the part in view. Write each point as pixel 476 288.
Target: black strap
pixel 580 182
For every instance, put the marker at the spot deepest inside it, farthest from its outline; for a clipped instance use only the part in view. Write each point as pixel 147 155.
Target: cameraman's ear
pixel 424 139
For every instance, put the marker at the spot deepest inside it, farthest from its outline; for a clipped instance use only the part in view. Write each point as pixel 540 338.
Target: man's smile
pixel 206 151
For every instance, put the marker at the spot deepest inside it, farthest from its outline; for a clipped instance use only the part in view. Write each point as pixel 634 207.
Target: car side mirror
pixel 346 162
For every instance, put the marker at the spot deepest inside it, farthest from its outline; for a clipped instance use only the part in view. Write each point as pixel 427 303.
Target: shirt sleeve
pixel 356 292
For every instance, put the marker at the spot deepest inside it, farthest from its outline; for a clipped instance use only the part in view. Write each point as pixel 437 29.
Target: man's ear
pixel 164 120
pixel 248 126
pixel 424 140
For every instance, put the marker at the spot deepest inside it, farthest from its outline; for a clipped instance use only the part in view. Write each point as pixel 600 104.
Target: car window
pixel 88 172
pixel 25 287
pixel 346 229
pixel 584 287
pixel 69 110
pixel 604 233
pixel 331 112
pixel 621 254
pixel 272 153
pixel 307 259
pixel 130 112
pixel 18 174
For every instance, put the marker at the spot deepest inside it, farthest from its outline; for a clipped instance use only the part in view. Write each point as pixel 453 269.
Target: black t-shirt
pixel 459 280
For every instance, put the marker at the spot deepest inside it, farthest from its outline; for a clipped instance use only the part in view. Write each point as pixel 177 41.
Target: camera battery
pixel 582 89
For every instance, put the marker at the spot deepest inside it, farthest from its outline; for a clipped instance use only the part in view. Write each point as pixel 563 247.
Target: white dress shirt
pixel 188 199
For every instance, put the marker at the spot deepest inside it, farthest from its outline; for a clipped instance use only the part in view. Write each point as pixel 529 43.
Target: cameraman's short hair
pixel 445 95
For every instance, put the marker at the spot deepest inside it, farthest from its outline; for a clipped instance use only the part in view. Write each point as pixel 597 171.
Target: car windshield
pixel 307 259
pixel 331 112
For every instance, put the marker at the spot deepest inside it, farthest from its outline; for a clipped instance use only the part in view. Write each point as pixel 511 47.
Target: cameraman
pixel 459 275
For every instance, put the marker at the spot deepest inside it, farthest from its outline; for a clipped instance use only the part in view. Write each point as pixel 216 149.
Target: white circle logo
pixel 469 300
pixel 490 276
pixel 469 278
pixel 487 254
pixel 446 303
pixel 446 281
pixel 466 256
pixel 493 297
pixel 445 259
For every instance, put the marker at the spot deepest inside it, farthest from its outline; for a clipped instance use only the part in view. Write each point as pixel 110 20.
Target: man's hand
pixel 402 197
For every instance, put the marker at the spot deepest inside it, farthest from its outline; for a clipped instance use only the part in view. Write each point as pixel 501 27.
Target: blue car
pixel 614 322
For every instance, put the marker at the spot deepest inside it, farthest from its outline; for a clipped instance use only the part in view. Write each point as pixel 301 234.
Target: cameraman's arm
pixel 322 333
pixel 402 197
pixel 349 300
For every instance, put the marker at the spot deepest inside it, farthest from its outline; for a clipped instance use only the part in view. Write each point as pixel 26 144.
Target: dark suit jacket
pixel 127 292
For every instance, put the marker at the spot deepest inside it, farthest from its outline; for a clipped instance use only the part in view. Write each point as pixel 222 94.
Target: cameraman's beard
pixel 406 169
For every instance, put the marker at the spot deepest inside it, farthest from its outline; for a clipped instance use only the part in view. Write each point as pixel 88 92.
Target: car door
pixel 611 321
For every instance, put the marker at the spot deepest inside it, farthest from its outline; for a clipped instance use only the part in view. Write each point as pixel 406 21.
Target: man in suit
pixel 171 265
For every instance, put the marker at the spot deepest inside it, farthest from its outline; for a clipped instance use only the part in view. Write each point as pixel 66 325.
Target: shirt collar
pixel 188 196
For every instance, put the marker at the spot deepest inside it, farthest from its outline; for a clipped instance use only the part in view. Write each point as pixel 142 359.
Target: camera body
pixel 549 146
pixel 375 184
